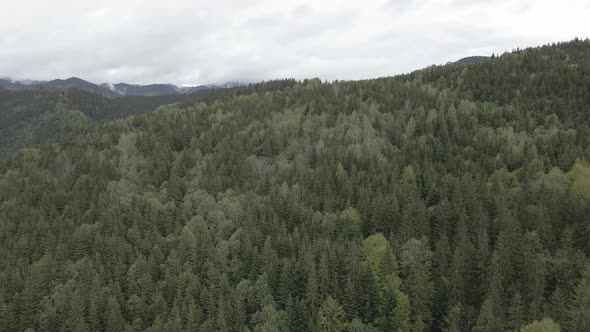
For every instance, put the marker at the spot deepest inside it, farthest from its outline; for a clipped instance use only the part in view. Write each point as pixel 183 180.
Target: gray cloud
pixel 192 42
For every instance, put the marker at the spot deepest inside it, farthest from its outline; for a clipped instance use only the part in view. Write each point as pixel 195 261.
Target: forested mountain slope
pixel 454 198
pixel 82 85
pixel 43 116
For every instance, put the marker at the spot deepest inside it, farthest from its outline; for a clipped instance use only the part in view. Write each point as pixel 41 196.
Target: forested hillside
pixel 43 116
pixel 454 198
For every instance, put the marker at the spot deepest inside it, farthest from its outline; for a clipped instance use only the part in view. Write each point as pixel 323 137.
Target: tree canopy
pixel 454 198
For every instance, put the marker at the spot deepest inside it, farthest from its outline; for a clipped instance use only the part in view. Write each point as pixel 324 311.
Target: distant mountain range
pixel 114 90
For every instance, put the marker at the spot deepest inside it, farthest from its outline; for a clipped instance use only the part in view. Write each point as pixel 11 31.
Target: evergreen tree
pixel 516 313
pixel 579 311
pixel 114 318
pixel 487 320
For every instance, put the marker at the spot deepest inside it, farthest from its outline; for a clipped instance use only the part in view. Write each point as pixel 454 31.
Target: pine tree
pixel 558 307
pixel 516 313
pixel 9 321
pixel 579 311
pixel 312 295
pixel 452 321
pixel 487 321
pixel 495 289
pixel 76 320
pixel 415 260
pixel 114 318
pixel 534 272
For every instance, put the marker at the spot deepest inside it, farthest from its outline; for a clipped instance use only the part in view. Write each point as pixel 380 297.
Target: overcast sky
pixel 192 41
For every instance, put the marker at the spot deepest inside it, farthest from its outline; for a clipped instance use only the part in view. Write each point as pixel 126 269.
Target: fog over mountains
pixel 113 90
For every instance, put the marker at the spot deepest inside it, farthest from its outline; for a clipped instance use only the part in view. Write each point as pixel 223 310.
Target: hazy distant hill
pixel 191 89
pixel 6 83
pixel 80 84
pixel 114 90
pixel 125 89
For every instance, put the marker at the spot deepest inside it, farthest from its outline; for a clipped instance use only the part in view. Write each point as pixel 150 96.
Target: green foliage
pixel 545 325
pixel 349 222
pixel 415 261
pixel 487 321
pixel 579 312
pixel 453 198
pixel 331 316
pixel 516 312
pixel 453 320
pixel 580 175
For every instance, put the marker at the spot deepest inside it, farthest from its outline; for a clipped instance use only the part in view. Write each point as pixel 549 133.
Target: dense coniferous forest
pixel 454 198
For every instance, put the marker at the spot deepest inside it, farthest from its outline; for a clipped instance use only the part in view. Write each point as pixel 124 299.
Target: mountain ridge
pixel 114 90
pixel 42 115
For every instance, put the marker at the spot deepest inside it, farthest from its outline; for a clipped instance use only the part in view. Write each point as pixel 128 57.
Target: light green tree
pixel 545 325
pixel 331 317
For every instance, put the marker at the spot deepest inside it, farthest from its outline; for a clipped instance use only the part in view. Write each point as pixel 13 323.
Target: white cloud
pixel 189 42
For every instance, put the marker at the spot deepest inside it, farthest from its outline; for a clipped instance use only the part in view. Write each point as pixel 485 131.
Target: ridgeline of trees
pixel 455 198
